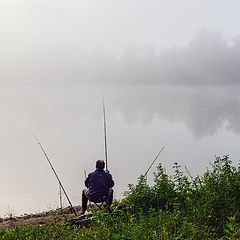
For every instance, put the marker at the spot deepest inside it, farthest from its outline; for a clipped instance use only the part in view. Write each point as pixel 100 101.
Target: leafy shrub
pixel 210 200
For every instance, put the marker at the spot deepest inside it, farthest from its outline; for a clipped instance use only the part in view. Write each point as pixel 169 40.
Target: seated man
pixel 99 184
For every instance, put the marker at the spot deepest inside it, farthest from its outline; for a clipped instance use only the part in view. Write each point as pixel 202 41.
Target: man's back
pixel 99 183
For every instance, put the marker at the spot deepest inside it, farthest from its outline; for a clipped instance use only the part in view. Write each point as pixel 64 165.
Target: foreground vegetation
pixel 175 207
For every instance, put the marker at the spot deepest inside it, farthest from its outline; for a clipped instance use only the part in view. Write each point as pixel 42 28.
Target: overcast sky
pixel 169 71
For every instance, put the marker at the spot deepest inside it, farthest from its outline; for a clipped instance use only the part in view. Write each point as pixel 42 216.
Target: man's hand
pixel 107 170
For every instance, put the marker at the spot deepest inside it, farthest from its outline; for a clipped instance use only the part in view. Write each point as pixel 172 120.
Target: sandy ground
pixel 35 219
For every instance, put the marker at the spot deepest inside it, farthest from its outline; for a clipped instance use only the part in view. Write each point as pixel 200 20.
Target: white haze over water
pixel 169 72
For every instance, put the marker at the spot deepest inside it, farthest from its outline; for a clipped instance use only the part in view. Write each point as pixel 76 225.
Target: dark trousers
pixel 85 199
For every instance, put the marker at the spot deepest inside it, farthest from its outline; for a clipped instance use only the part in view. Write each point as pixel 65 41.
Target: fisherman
pixel 99 187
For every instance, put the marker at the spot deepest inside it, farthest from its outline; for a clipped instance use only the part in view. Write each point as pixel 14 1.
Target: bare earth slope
pixel 36 219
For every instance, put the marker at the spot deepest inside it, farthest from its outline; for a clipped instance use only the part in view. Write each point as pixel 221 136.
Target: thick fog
pixel 169 73
pixel 209 59
pixel 197 84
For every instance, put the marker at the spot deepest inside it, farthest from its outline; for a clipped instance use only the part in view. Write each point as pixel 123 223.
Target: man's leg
pixel 84 201
pixel 110 199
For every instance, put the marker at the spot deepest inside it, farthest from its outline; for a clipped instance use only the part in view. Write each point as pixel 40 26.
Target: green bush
pixel 209 200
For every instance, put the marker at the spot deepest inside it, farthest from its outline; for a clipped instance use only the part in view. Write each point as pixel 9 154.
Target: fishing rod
pixel 145 175
pixel 60 196
pixel 71 207
pixel 189 173
pixel 105 133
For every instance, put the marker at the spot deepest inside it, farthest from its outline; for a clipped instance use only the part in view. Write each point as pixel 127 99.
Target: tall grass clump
pixel 206 205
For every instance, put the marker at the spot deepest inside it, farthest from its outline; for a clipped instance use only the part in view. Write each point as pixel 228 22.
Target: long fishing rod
pixel 105 134
pixel 189 173
pixel 145 175
pixel 71 207
pixel 60 195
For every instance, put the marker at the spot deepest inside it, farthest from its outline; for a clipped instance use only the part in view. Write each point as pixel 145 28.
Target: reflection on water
pixel 203 109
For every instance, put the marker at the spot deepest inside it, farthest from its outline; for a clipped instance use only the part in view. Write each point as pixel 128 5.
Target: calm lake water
pixel 195 122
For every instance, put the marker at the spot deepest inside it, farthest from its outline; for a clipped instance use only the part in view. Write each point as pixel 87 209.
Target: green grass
pixel 205 207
